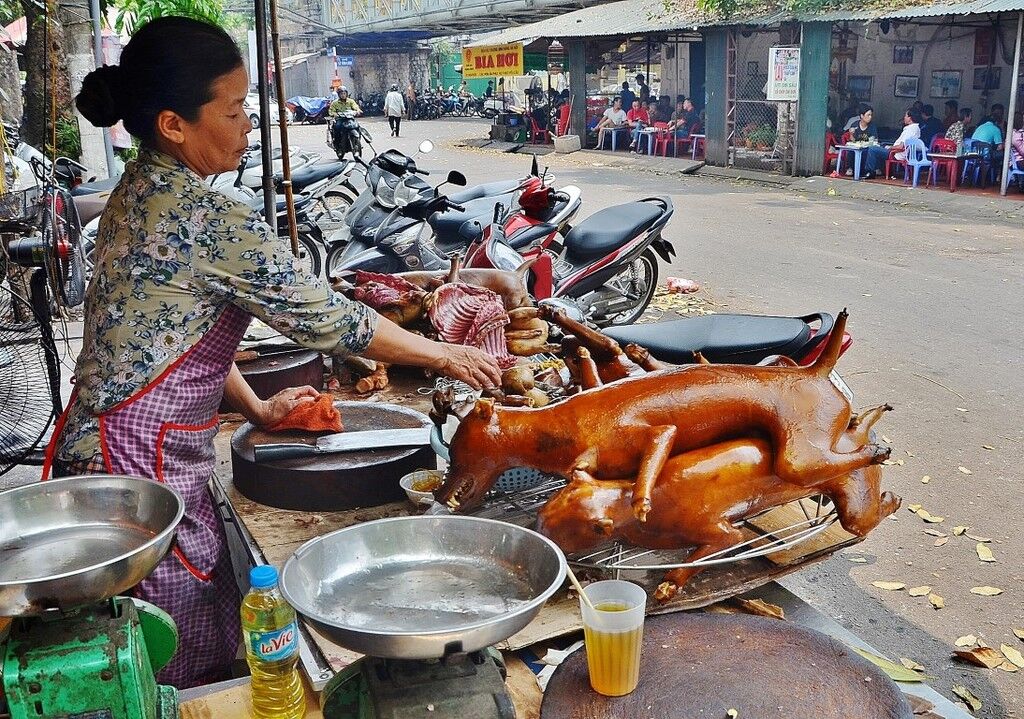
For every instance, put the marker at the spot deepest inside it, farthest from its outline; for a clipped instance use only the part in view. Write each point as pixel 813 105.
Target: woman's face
pixel 907 119
pixel 218 137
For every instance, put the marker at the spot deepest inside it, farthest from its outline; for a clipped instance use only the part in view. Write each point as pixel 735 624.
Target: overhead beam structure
pixel 441 17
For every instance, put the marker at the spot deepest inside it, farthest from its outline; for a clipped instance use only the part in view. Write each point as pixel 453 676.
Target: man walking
pixel 394 108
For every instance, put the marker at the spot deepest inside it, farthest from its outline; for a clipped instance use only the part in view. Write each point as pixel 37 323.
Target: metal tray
pixel 75 541
pixel 423 587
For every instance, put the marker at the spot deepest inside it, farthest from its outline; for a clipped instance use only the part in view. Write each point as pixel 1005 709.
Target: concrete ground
pixel 933 285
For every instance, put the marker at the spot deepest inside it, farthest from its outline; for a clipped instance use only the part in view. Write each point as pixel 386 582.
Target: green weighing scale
pixel 76 650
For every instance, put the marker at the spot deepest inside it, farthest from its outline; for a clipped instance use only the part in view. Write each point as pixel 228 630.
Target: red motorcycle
pixel 605 266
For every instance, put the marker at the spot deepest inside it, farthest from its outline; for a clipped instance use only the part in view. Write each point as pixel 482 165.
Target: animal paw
pixel 641 508
pixel 881 454
pixel 890 503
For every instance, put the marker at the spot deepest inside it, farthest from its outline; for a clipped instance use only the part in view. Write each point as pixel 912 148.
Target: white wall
pixel 934 49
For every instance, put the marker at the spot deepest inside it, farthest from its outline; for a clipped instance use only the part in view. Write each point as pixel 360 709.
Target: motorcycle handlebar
pixel 418 171
pixel 452 206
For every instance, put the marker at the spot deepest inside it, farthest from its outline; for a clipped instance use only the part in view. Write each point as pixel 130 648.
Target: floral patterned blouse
pixel 171 255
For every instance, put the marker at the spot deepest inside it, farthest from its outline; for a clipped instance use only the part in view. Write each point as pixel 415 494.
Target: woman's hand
pixel 273 410
pixel 474 367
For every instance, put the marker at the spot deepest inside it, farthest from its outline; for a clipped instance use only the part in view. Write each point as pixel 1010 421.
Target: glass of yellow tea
pixel 612 632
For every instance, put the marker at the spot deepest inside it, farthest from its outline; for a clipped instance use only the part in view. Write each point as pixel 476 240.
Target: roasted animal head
pixel 580 516
pixel 477 458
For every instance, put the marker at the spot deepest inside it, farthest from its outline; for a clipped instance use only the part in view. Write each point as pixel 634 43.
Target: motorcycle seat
pixel 306 176
pixel 488 189
pixel 608 229
pixel 92 188
pixel 734 339
pixel 454 226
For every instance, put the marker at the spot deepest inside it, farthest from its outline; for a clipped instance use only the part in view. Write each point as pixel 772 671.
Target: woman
pixel 180 271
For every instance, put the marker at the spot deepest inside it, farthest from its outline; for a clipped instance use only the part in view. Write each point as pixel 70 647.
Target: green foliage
pixel 69 141
pixel 10 10
pixel 726 8
pixel 132 14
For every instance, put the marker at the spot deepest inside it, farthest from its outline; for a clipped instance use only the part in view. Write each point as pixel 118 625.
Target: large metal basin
pixel 423 587
pixel 75 541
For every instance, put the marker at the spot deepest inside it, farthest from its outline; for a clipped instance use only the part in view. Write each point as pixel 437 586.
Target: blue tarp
pixel 310 105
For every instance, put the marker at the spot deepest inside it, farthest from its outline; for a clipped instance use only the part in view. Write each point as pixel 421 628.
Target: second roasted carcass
pixel 472 316
pixel 702 494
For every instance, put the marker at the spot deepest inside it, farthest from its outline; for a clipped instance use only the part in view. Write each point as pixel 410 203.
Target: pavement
pixel 933 285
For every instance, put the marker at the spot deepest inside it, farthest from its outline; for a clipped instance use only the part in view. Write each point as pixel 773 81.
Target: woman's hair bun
pixel 100 100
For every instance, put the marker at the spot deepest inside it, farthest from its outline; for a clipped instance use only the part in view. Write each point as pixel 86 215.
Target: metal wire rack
pixel 521 508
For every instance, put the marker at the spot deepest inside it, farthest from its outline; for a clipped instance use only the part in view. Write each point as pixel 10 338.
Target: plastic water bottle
pixel 271 638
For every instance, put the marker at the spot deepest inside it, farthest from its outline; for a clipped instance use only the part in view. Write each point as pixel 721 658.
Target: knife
pixel 344 442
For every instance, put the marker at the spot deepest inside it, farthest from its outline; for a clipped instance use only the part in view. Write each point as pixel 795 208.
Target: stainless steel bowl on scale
pixel 423 587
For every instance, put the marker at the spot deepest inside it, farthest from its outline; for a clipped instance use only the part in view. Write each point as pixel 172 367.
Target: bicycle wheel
pixel 309 254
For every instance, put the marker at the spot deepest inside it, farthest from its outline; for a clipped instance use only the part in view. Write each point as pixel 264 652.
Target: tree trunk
pixel 76 15
pixel 43 51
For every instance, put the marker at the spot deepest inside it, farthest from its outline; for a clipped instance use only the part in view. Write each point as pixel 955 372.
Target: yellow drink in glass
pixel 613 633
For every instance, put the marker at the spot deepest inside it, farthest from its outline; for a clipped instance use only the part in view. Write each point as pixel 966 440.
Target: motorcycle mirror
pixel 456 178
pixel 426 147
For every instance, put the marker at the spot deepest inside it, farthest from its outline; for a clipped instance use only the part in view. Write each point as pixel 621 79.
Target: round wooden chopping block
pixel 271 373
pixel 703 665
pixel 336 481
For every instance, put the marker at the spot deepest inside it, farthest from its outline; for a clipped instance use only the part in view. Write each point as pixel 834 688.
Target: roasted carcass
pixel 630 428
pixel 472 316
pixel 393 297
pixel 510 286
pixel 700 495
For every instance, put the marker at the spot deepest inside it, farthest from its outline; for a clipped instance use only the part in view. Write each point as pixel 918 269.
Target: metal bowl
pixel 423 587
pixel 75 541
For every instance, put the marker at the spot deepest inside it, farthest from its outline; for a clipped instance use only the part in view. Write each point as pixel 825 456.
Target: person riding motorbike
pixel 343 104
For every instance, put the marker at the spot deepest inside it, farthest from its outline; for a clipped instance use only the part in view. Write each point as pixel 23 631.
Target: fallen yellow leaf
pixel 937 601
pixel 931 519
pixel 962 409
pixel 732 714
pixel 890 586
pixel 935 532
pixel 987 446
pixel 968 696
pixel 926 479
pixel 762 608
pixel 896 672
pixel 856 559
pixel 984 553
pixel 964 470
pixel 919 591
pixel 1019 633
pixel 909 453
pixel 886 439
pixel 900 462
pixel 986 591
pixel 911 664
pixel 960 530
pixel 1008 667
pixel 977 538
pixel 1013 655
pixel 914 507
pixel 968 640
pixel 941 541
pixel 981 657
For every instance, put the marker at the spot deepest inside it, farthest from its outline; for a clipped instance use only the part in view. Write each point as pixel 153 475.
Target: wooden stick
pixel 579 587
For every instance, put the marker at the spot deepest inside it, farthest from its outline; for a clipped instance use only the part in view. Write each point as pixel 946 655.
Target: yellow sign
pixel 492 60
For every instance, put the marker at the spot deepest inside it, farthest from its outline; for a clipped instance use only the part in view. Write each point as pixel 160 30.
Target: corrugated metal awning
pixel 641 17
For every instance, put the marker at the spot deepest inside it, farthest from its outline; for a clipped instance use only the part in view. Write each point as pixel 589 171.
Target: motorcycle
pixel 606 266
pixel 310 110
pixel 345 135
pixel 252 173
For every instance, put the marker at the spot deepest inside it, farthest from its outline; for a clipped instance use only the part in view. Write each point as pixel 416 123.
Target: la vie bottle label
pixel 276 645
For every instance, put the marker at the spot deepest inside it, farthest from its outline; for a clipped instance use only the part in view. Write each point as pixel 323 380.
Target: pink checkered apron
pixel 165 432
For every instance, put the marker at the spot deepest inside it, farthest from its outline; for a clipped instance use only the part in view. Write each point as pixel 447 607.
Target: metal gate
pixel 760 133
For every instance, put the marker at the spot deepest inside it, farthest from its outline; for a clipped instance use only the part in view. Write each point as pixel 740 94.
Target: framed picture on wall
pixel 905 86
pixel 859 87
pixel 984 46
pixel 987 78
pixel 902 54
pixel 945 83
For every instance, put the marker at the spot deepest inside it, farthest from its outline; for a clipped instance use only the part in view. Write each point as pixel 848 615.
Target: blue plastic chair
pixel 917 157
pixel 979 168
pixel 1016 171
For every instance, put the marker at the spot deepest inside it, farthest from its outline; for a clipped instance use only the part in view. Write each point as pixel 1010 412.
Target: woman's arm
pixel 263 412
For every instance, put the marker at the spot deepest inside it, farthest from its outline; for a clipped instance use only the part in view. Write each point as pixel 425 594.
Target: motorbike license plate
pixel 841 385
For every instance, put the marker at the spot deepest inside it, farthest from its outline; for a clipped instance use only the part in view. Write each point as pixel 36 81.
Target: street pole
pixel 97 46
pixel 286 165
pixel 1007 146
pixel 269 194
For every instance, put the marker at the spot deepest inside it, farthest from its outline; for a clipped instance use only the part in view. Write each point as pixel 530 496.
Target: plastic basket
pixel 19 204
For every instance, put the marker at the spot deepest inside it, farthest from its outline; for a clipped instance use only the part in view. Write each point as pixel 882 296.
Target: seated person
pixel 614 119
pixel 958 129
pixel 637 119
pixel 952 115
pixel 911 131
pixel 931 127
pixel 654 112
pixel 988 131
pixel 864 131
pixel 343 104
pixel 683 118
